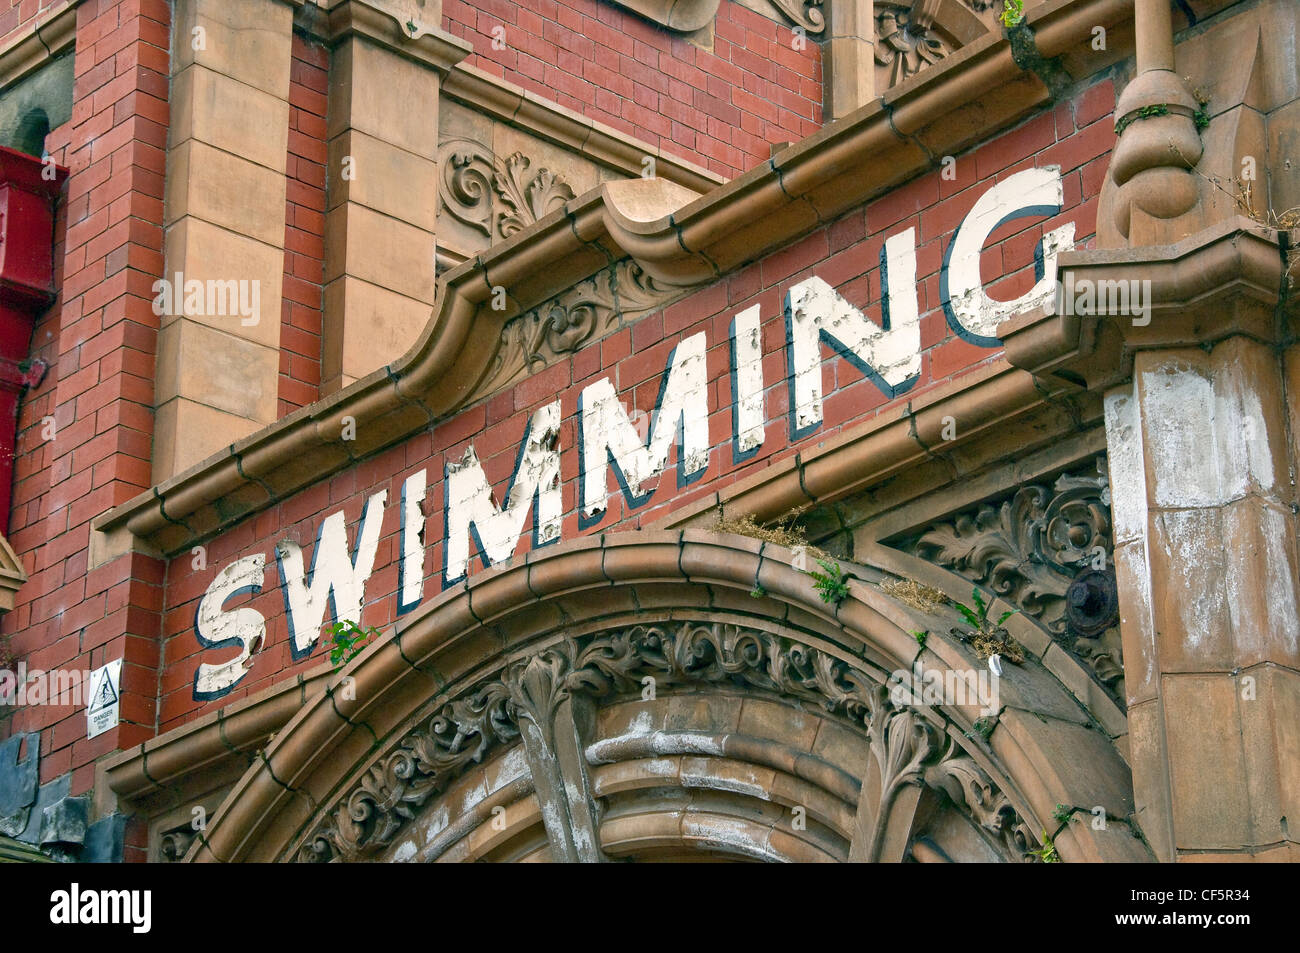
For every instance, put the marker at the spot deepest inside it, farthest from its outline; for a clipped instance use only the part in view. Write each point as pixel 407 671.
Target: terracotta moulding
pixel 1213 285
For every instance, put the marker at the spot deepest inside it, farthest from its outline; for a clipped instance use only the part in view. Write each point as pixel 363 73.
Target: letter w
pixel 335 575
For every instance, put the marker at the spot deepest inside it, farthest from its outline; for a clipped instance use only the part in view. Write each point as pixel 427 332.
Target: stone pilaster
pixel 851 80
pixel 1198 392
pixel 382 192
pixel 218 348
pixel 1182 318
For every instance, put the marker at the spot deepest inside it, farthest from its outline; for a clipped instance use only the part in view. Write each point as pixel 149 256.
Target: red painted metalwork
pixel 29 191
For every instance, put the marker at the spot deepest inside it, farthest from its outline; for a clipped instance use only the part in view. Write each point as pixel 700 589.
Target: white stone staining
pixel 470 507
pixel 747 380
pixel 217 628
pixel 335 575
pixel 1208 451
pixel 971 312
pixel 606 431
pixel 889 355
pixel 411 568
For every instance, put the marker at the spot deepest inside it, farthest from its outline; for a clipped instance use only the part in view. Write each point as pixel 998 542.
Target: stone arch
pixel 506 719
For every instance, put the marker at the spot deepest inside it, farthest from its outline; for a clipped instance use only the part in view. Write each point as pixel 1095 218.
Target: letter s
pixel 216 628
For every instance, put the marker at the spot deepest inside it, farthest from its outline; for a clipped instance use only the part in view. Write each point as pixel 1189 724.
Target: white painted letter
pixel 972 314
pixel 606 433
pixel 888 353
pixel 747 382
pixel 216 628
pixel 410 570
pixel 469 499
pixel 334 575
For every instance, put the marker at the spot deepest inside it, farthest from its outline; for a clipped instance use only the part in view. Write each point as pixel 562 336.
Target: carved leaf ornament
pixel 497 197
pixel 1029 548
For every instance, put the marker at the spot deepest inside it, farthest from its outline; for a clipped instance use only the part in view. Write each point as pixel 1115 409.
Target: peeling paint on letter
pixel 889 354
pixel 971 313
pixel 216 628
pixel 470 508
pixel 411 568
pixel 606 435
pixel 747 415
pixel 334 577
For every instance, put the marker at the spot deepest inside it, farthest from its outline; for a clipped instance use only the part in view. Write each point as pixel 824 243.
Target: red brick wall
pixel 304 230
pixel 1077 136
pixel 17 14
pixel 720 108
pixel 101 338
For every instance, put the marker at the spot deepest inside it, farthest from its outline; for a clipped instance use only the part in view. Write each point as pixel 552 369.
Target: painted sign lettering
pixel 888 354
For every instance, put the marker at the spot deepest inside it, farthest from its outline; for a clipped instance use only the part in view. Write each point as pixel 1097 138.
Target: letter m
pixel 470 509
pixel 607 435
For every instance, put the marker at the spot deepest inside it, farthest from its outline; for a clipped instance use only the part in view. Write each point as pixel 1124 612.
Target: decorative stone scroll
pixel 1030 548
pixel 910 749
pixel 803 13
pixel 497 197
pixel 609 299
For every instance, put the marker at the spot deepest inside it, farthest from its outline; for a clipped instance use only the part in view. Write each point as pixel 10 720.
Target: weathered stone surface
pixel 63 823
pixel 18 781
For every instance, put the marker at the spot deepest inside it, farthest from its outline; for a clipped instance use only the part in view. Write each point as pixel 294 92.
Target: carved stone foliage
pixel 904 47
pixel 1030 547
pixel 609 299
pixel 909 748
pixel 970 788
pixel 496 196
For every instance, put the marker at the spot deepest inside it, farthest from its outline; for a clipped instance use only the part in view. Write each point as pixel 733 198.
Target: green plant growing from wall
pixel 347 639
pixel 920 637
pixel 758 592
pixel 1013 11
pixel 982 728
pixel 830 584
pixel 1144 112
pixel 1063 814
pixel 988 637
pixel 1047 853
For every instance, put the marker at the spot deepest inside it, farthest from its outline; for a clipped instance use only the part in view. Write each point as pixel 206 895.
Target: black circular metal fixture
pixel 1092 602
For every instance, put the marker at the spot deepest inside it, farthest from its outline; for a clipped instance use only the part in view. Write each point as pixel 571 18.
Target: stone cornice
pixel 383 25
pixel 1225 281
pixel 968 97
pixel 564 127
pixel 38 43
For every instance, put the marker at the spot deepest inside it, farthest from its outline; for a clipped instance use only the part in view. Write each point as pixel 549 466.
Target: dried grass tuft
pixel 783 533
pixel 915 594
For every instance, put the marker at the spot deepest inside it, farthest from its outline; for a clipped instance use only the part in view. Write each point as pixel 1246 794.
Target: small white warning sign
pixel 105 698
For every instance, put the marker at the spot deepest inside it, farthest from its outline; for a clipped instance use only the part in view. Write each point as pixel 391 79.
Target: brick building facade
pixel 645 401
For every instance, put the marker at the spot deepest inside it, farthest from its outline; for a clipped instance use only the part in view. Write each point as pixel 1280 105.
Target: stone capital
pixel 1225 281
pixel 404 27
